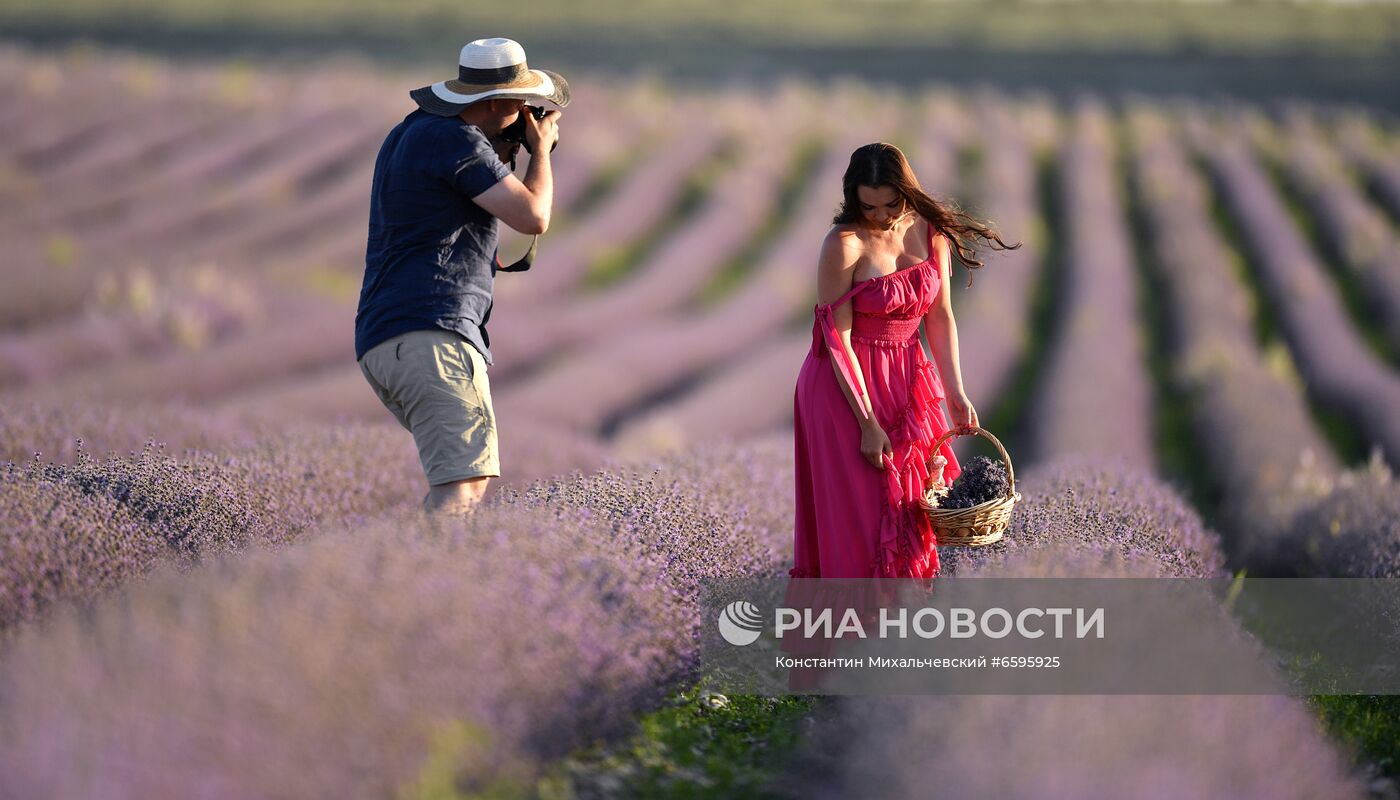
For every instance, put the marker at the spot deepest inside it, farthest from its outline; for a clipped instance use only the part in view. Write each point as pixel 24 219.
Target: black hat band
pixel 487 77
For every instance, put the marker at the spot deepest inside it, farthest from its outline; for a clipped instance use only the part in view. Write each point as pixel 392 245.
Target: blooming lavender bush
pixel 1082 746
pixel 1108 508
pixel 150 506
pixel 53 430
pixel 343 665
pixel 1095 396
pixel 712 511
pixel 62 543
pixel 1353 531
pixel 359 663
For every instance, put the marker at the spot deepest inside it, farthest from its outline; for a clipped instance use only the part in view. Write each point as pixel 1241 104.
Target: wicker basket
pixel 978 525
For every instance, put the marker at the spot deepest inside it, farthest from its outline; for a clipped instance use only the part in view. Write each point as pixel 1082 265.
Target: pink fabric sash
pixel 824 332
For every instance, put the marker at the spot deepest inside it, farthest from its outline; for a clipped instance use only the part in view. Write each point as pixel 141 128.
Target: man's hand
pixel 525 205
pixel 541 135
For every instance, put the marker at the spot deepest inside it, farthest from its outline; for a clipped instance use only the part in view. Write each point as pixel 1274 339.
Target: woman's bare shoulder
pixel 842 236
pixel 931 231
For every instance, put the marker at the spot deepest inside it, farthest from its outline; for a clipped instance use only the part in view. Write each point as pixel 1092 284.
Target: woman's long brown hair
pixel 882 164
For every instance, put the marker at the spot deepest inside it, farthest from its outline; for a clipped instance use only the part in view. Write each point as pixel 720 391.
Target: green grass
pixel 701 744
pixel 698 744
pixel 1370 722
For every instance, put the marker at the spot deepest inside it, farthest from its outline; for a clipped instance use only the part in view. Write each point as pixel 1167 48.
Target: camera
pixel 515 133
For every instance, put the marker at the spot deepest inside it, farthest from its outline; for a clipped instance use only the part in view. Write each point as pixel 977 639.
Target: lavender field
pixel 213 578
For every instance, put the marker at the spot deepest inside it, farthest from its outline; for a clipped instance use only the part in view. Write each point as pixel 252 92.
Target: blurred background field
pixel 1193 361
pixel 1344 50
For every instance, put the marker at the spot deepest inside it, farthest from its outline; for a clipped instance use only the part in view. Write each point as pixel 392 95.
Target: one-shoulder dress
pixel 852 520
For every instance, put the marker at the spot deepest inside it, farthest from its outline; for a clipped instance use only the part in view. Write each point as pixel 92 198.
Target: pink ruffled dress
pixel 854 521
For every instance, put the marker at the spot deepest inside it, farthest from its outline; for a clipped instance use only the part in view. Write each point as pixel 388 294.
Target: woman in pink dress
pixel 866 409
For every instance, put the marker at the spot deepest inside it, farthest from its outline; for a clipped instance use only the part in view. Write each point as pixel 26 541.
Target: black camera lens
pixel 515 132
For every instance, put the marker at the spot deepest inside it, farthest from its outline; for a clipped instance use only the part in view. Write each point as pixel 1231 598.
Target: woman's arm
pixel 942 332
pixel 836 267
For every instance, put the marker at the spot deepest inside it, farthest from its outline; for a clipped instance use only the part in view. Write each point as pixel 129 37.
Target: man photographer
pixel 440 185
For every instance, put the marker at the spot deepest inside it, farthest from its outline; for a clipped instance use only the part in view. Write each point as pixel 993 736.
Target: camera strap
pixel 524 262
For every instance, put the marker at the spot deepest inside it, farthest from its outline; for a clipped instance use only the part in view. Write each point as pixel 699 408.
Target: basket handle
pixel 971 430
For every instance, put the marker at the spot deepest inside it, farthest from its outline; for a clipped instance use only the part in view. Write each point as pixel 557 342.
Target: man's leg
pixel 436 385
pixel 447 398
pixel 455 497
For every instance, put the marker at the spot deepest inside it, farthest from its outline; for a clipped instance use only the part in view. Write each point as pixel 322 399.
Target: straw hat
pixel 491 68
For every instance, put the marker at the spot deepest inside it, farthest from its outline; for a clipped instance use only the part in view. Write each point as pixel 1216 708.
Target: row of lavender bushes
pixel 79 528
pixel 1359 236
pixel 250 202
pixel 1095 397
pixel 994 315
pixel 362 662
pixel 737 202
pixel 636 204
pixel 1363 142
pixel 1338 368
pixel 214 485
pixel 1301 514
pixel 350 646
pixel 1265 466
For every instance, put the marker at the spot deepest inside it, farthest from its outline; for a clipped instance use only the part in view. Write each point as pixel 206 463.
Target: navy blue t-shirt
pixel 431 258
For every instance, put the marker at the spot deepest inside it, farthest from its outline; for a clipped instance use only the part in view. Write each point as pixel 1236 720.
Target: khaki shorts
pixel 435 384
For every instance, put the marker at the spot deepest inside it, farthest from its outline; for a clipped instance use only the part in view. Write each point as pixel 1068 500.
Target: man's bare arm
pixel 525 206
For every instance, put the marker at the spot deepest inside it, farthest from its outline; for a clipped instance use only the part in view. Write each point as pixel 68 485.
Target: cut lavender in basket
pixel 982 479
